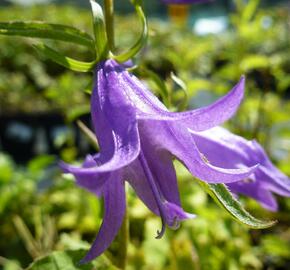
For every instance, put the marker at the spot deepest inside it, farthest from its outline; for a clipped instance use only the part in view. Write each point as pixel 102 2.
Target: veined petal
pixel 137 180
pixel 161 167
pixel 170 213
pixel 274 179
pixel 180 143
pixel 218 142
pixel 115 206
pixel 114 119
pixel 205 117
pixel 275 182
pixel 142 179
pixel 126 142
pixel 148 106
pixel 239 152
pixel 236 152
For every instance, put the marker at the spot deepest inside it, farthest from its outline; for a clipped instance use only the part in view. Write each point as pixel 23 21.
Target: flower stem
pixel 109 18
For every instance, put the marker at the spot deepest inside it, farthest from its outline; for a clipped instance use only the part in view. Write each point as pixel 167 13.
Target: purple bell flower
pixel 228 150
pixel 138 138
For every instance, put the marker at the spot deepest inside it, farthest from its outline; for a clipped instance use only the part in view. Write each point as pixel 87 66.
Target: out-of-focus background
pixel 43 211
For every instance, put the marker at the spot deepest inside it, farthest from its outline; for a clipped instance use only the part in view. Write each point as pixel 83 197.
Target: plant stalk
pixel 109 19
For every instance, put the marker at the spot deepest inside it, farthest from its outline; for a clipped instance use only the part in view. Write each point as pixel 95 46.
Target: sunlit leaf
pixel 47 31
pixel 63 60
pixel 223 197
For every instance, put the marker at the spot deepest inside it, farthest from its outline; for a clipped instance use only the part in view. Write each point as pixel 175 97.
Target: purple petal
pixel 238 152
pixel 114 119
pixel 161 166
pixel 146 183
pixel 256 191
pixel 115 206
pixel 218 142
pixel 147 106
pixel 274 179
pixel 91 182
pixel 170 213
pixel 206 117
pixel 176 139
pixel 138 181
pixel 175 214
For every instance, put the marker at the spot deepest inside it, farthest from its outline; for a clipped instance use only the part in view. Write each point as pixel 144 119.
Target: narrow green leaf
pixel 142 39
pixel 221 194
pixel 47 31
pixel 101 40
pixel 65 61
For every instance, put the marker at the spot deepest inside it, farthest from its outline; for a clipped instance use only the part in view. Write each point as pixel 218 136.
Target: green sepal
pixel 43 30
pixel 123 57
pixel 63 60
pixel 101 40
pixel 221 194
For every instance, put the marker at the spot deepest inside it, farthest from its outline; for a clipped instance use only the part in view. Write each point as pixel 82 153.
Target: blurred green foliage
pixel 43 211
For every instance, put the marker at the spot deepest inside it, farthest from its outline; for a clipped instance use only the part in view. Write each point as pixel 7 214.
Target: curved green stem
pixel 141 41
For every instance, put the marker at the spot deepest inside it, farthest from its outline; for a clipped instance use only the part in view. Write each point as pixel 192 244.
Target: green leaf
pixel 101 40
pixel 69 260
pixel 63 60
pixel 142 39
pixel 46 30
pixel 224 198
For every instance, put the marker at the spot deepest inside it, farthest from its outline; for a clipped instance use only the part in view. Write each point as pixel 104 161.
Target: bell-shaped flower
pixel 228 150
pixel 138 138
